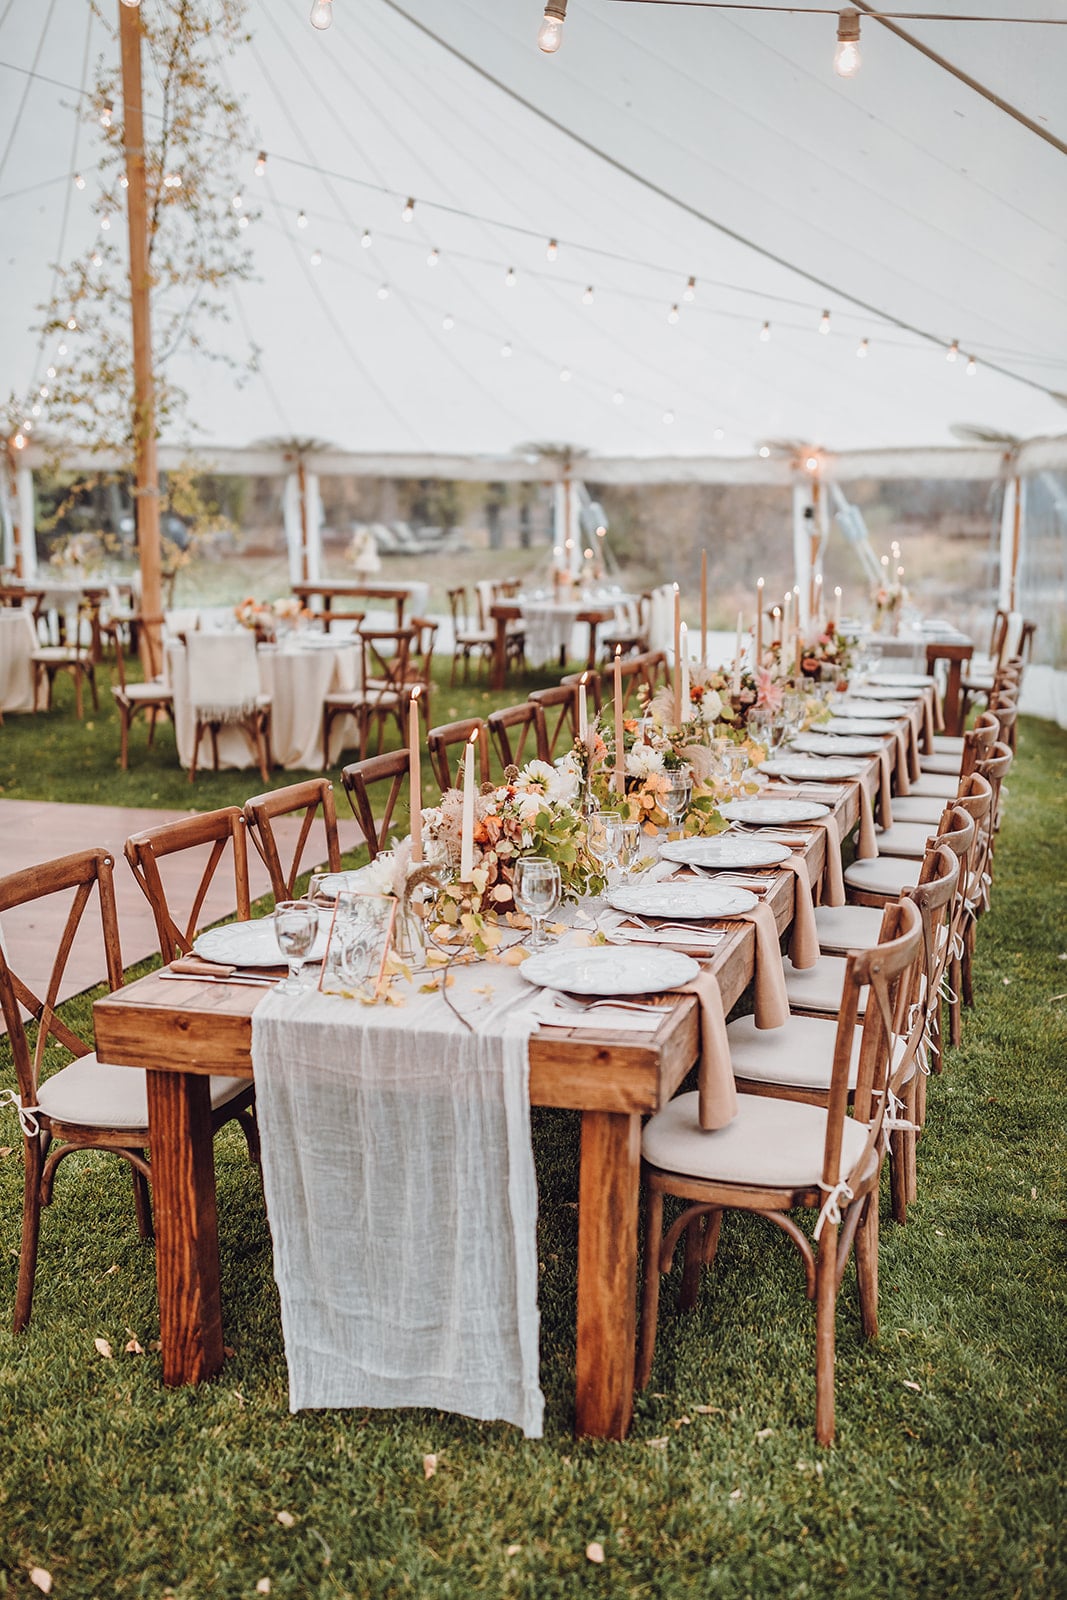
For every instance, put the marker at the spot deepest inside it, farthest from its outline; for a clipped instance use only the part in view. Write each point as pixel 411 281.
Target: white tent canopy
pixel 899 197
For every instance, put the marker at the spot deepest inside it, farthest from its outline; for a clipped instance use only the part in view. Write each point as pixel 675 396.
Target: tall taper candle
pixel 583 710
pixel 787 618
pixel 736 685
pixel 776 624
pixel 677 657
pixel 837 607
pixel 466 841
pixel 683 646
pixel 415 774
pixel 620 738
pixel 759 622
pixel 703 608
pixel 817 607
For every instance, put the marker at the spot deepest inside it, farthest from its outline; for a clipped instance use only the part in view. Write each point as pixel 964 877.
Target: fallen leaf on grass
pixel 133 1348
pixel 1033 1193
pixel 708 1411
pixel 263 1586
pixel 155 1345
pixel 103 1348
pixel 737 1494
pixel 764 1433
pixel 658 1444
pixel 429 1466
pixel 916 1386
pixel 41 1579
pixel 5 1149
pixel 594 1552
pixel 513 1549
pixel 286 1519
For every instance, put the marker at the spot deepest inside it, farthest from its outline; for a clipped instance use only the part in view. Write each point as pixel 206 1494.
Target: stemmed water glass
pixel 604 840
pixel 537 888
pixel 675 800
pixel 630 833
pixel 296 922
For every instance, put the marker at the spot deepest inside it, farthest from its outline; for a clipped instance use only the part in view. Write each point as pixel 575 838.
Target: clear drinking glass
pixel 296 922
pixel 631 846
pixel 604 839
pixel 316 893
pixel 675 801
pixel 537 888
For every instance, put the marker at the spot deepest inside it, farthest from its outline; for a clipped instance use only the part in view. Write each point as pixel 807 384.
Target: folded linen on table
pixel 833 884
pixel 716 1090
pixel 224 684
pixel 400 1187
pixel 866 843
pixel 770 1001
pixel 903 774
pixel 885 788
pixel 804 936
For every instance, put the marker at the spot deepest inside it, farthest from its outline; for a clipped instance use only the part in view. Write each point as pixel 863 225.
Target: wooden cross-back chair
pixel 559 708
pixel 468 639
pixel 518 732
pixel 314 800
pixel 153 698
pixel 75 657
pixel 645 671
pixel 357 780
pixel 86 1104
pixel 447 737
pixel 387 676
pixel 221 833
pixel 778 1156
pixel 30 600
pixel 594 687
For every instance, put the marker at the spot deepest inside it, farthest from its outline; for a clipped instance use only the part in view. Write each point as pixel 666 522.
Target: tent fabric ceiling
pixel 901 190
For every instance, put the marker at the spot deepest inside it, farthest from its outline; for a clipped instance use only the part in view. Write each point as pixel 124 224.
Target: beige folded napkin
pixel 939 709
pixel 866 844
pixel 914 765
pixel 833 880
pixel 716 1091
pixel 804 935
pixel 885 788
pixel 928 718
pixel 771 1003
pixel 903 780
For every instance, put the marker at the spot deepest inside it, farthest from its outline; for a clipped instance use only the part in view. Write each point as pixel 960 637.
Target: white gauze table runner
pixel 400 1187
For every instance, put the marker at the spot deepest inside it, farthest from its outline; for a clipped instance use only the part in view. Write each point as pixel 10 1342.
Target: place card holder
pixel 361 936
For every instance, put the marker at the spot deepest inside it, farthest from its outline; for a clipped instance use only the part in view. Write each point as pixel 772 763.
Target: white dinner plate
pixel 836 744
pixel 800 767
pixel 774 811
pixel 252 944
pixel 610 970
pixel 689 898
pixel 890 691
pixel 331 884
pixel 901 680
pixel 858 707
pixel 848 725
pixel 725 850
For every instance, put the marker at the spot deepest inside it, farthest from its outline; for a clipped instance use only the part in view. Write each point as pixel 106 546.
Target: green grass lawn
pixel 947 1477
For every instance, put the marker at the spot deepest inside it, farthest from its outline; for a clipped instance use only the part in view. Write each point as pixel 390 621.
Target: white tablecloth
pixel 551 628
pixel 297 679
pixel 18 640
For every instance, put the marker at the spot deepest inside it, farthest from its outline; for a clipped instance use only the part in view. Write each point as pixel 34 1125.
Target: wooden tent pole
pixel 144 402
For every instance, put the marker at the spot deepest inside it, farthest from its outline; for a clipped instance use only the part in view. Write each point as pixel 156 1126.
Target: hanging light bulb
pixel 409 210
pixel 242 222
pixel 301 219
pixel 322 14
pixel 550 33
pixel 673 314
pixel 847 56
pixel 35 410
pixel 553 250
pixel 19 442
pixel 106 113
pixel 765 332
pixel 972 367
pixel 668 418
pixel 448 322
pixel 238 201
pixel 862 348
pixel 587 297
pixel 509 278
pixel 617 398
pixel 261 164
pixel 316 258
pixel 824 322
pixel 811 464
pixel 383 291
pixel 434 257
pixel 565 375
pixel 764 451
pixel 718 435
pixel 689 293
pixel 105 224
pixel 43 391
pixel 124 182
pixel 72 324
pixel 365 239
pixel 132 4
pixel 953 350
pixel 505 349
pixel 51 372
pixel 79 181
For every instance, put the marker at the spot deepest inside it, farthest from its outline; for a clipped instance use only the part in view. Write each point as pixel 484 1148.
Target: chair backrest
pixel 888 971
pixel 80 873
pixel 217 832
pixel 359 777
pixel 314 799
pixel 559 707
pixel 997 632
pixel 937 895
pixel 420 654
pixel 29 599
pixel 994 770
pixel 975 797
pixel 1026 641
pixel 386 659
pixel 646 671
pixel 445 738
pixel 519 733
pixel 595 686
pixel 979 741
pixel 457 605
pixel 223 674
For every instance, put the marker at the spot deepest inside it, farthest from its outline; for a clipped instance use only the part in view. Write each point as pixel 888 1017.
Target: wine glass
pixel 604 840
pixel 537 888
pixel 317 892
pixel 296 922
pixel 675 800
pixel 631 846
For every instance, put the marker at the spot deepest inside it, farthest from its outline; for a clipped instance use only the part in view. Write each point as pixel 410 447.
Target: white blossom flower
pixel 643 760
pixel 537 776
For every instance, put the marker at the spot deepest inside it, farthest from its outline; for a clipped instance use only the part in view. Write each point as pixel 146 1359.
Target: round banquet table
pixel 18 640
pixel 297 678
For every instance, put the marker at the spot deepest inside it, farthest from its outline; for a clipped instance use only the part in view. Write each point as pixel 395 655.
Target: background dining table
pixel 614 1079
pixel 18 640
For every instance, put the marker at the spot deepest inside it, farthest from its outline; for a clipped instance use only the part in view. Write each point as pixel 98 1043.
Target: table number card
pixel 361 935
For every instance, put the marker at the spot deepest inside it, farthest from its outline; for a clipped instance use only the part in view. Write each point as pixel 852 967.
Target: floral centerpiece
pixel 828 655
pixel 262 616
pixel 362 553
pixel 887 600
pixel 77 556
pixel 535 811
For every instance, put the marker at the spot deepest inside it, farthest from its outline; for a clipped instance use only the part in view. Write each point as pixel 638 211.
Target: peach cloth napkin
pixel 928 717
pixel 914 764
pixel 885 788
pixel 866 844
pixel 833 879
pixel 716 1091
pixel 939 709
pixel 903 781
pixel 804 936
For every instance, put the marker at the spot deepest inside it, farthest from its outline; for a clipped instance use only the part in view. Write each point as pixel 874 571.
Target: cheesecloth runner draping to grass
pixel 399 1178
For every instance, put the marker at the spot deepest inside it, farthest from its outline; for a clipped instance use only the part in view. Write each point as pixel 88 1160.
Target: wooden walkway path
pixel 32 831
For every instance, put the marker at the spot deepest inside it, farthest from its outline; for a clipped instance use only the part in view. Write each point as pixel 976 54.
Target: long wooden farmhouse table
pixel 183 1032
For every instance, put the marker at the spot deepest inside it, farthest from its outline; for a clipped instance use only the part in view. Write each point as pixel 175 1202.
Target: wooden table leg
pixel 609 1183
pixel 954 699
pixel 186 1222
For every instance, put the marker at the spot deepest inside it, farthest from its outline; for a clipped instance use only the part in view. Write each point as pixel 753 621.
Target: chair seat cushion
pixel 770 1143
pixel 798 1055
pixel 947 744
pixel 818 988
pixel 937 763
pixel 98 1095
pixel 885 875
pixel 927 809
pixel 934 785
pixel 904 838
pixel 150 693
pixel 59 655
pixel 842 928
pixel 471 637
